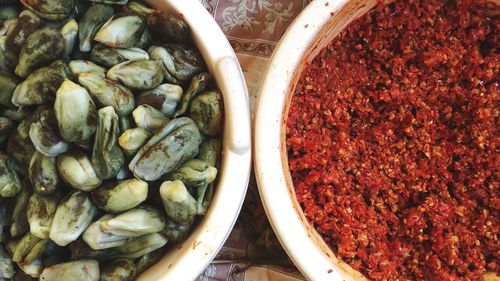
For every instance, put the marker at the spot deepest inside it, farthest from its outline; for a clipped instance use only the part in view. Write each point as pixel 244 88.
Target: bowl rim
pixel 191 257
pixel 300 44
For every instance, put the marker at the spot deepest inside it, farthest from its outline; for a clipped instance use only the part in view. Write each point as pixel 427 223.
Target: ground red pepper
pixel 393 141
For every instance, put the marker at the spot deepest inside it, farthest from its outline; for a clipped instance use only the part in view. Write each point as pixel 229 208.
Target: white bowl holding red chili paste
pixel 188 259
pixel 311 32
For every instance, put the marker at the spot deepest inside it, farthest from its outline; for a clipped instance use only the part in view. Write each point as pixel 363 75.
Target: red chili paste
pixel 393 141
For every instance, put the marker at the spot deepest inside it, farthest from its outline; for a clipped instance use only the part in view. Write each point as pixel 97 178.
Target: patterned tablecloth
pixel 254 27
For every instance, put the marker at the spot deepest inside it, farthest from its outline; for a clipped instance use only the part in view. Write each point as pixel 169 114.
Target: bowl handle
pixel 234 89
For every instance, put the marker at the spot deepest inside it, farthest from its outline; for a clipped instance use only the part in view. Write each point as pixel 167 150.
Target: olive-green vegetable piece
pixel 76 169
pixel 91 22
pixel 40 86
pixel 107 92
pixel 40 212
pixel 118 270
pixel 73 215
pixel 110 57
pixel 120 196
pixel 107 155
pixel 19 219
pixel 138 74
pixel 10 184
pixel 207 112
pixel 135 222
pixel 43 174
pixel 133 139
pixel 40 48
pixel 173 145
pixel 178 202
pixel 97 239
pixel 123 30
pixel 149 118
pixel 50 9
pixel 80 270
pixel 198 84
pixel 165 98
pixel 45 136
pixel 75 112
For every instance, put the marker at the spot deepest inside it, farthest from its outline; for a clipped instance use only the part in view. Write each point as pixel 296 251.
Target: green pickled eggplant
pixel 75 112
pixel 179 204
pixel 43 173
pixel 125 123
pixel 210 151
pixel 6 265
pixel 19 147
pixel 10 184
pixel 176 143
pixel 140 246
pixel 149 118
pixel 170 27
pixel 42 47
pixel 45 136
pixel 8 83
pixel 50 9
pixel 195 173
pixel 149 259
pixel 40 212
pixel 118 270
pixel 198 85
pixel 123 30
pixel 27 23
pixel 79 67
pixel 70 33
pixel 40 87
pixel 76 169
pixel 140 9
pixel 107 156
pixel 97 239
pixel 19 219
pixel 107 92
pixel 207 112
pixel 120 196
pixel 91 22
pixel 6 127
pixel 138 74
pixel 73 215
pixel 110 57
pixel 80 270
pixel 176 232
pixel 135 222
pixel 25 246
pixel 165 98
pixel 180 61
pixel 133 139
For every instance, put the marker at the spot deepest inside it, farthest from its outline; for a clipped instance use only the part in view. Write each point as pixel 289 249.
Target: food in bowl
pixel 392 139
pixel 110 138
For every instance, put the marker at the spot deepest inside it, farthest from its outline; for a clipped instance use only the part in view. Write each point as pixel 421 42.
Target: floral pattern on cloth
pixel 252 251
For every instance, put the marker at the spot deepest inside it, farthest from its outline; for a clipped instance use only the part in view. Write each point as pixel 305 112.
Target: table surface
pixel 254 27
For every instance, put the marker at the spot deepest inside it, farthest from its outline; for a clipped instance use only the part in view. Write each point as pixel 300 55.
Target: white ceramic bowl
pixel 190 258
pixel 311 32
pixel 315 27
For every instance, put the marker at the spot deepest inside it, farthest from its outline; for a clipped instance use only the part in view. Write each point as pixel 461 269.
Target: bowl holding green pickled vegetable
pixel 124 139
